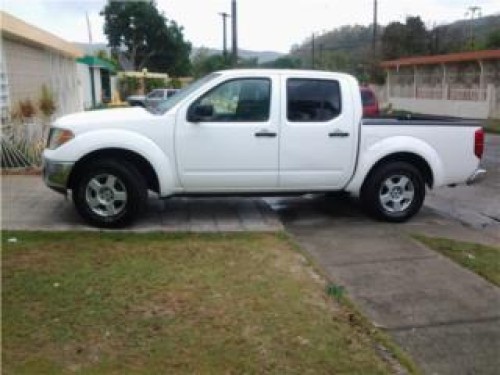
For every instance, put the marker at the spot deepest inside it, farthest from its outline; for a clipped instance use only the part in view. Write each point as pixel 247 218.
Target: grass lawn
pixel 483 260
pixel 118 303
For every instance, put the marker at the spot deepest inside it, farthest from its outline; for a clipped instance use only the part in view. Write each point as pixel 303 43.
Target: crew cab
pixel 257 132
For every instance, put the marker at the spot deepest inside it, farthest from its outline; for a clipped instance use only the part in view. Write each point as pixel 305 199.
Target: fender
pixel 96 140
pixel 399 144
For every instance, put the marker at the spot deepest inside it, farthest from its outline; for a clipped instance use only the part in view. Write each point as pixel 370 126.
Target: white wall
pixel 29 67
pixel 455 108
pixel 480 109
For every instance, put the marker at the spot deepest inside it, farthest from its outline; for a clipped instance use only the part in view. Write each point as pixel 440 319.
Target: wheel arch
pixel 142 165
pixel 408 149
pixel 408 157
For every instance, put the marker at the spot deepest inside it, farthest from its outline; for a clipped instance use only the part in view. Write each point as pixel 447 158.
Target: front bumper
pixel 56 174
pixel 477 176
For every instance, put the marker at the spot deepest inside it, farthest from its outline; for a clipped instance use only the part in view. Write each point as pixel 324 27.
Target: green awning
pixel 96 62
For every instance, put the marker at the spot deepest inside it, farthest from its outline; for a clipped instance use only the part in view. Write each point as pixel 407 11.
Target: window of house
pixel 312 100
pixel 238 100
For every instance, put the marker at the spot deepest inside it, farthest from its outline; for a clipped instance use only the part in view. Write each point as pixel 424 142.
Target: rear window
pixel 312 100
pixel 367 98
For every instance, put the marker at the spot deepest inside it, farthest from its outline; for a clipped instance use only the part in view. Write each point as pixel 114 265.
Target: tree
pixel 138 31
pixel 493 40
pixel 283 62
pixel 417 37
pixel 204 62
pixel 408 39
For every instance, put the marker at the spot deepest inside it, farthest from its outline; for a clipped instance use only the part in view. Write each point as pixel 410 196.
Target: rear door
pixel 236 147
pixel 319 132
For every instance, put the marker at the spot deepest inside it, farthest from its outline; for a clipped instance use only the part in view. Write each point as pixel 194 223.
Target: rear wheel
pixel 110 194
pixel 394 192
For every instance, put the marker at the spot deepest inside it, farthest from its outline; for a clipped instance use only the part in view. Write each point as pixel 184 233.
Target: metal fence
pixel 472 94
pixel 430 92
pixel 22 144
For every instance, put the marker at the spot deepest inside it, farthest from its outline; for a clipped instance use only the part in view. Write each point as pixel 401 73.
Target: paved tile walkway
pixel 28 204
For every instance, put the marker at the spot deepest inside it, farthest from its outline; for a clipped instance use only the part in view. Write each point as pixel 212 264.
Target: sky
pixel 263 25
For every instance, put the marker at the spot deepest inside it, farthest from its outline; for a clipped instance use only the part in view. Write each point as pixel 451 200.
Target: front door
pixel 227 139
pixel 318 135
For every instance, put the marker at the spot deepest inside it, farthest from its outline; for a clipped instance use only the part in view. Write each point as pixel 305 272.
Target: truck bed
pixel 421 120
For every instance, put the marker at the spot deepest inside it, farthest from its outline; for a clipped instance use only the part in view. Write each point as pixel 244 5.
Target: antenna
pixel 88 27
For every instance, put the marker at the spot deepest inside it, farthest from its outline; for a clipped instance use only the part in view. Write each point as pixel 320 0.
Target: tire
pixel 110 194
pixel 393 192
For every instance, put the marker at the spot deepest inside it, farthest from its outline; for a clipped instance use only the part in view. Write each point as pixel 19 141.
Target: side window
pixel 312 100
pixel 238 100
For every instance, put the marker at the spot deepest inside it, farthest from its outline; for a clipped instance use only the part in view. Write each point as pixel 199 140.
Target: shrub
pixel 26 109
pixel 46 103
pixel 175 83
pixel 153 83
pixel 128 86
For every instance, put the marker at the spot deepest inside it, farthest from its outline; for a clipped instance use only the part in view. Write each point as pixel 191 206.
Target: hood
pixel 104 117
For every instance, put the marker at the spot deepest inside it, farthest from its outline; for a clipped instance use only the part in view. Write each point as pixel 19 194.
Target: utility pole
pixel 471 13
pixel 91 68
pixel 374 40
pixel 88 27
pixel 234 32
pixel 321 56
pixel 224 16
pixel 312 52
pixel 373 65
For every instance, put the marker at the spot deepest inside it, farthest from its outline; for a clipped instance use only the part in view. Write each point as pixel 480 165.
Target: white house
pixel 32 57
pixel 465 84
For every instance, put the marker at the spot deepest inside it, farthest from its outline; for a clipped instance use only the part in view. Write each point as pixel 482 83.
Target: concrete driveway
pixel 446 317
pixel 477 206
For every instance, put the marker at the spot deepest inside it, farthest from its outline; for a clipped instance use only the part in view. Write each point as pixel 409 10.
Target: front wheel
pixel 394 192
pixel 110 194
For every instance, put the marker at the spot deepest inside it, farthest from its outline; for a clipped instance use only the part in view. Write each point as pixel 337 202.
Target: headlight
pixel 58 137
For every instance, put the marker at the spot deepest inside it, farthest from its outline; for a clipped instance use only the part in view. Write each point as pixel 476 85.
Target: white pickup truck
pixel 257 132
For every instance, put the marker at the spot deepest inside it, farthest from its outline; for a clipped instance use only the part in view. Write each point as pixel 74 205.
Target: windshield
pixel 169 103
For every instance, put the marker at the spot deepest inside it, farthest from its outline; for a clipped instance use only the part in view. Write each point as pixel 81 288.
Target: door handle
pixel 338 133
pixel 265 133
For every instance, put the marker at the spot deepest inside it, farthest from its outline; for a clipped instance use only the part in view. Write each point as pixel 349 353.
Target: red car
pixel 370 103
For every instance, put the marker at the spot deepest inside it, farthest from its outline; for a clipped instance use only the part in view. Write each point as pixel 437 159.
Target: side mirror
pixel 200 112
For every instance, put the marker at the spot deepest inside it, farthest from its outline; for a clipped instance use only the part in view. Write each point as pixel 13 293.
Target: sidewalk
pixel 446 317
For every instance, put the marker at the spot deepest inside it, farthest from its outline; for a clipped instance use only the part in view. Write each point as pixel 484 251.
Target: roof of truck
pixel 301 72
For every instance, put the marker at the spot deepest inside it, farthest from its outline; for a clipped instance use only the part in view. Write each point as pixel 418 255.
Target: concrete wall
pixel 456 108
pixel 28 67
pixel 495 103
pixel 482 109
